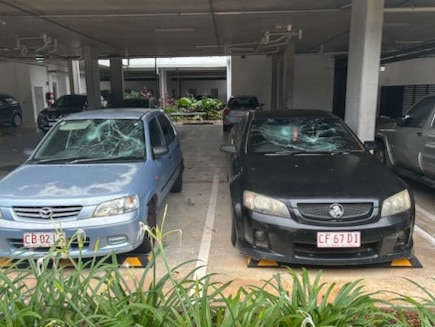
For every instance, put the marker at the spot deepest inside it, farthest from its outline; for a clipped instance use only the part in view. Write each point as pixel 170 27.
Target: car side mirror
pixel 158 151
pixel 403 120
pixel 228 148
pixel 370 145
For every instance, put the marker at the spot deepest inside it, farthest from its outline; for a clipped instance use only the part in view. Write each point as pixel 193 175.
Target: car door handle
pixel 419 133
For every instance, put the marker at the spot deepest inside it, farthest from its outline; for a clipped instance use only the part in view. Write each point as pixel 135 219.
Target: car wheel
pixel 148 241
pixel 233 232
pixel 16 120
pixel 178 185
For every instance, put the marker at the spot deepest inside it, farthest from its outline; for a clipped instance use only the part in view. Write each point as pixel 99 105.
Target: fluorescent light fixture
pixel 174 29
pixel 408 42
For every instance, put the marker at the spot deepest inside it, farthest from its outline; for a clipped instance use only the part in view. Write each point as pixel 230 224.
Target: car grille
pixel 47 212
pixel 321 211
pixel 312 251
pixel 72 244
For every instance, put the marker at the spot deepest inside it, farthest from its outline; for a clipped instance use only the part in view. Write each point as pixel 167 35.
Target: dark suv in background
pixel 237 107
pixel 10 111
pixel 63 106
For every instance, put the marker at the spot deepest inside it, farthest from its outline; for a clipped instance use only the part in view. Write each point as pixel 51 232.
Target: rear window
pixel 243 103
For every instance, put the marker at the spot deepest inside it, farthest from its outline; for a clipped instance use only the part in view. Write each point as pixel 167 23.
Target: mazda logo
pixel 336 210
pixel 45 212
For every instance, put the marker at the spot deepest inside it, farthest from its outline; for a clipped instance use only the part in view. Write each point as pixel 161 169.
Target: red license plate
pixel 339 239
pixel 41 240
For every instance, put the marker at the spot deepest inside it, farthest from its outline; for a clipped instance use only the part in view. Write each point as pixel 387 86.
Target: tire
pixel 178 185
pixel 148 242
pixel 233 232
pixel 17 120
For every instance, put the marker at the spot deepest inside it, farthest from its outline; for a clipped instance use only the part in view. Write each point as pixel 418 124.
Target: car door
pixel 427 156
pixel 161 157
pixel 407 140
pixel 173 144
pixel 3 109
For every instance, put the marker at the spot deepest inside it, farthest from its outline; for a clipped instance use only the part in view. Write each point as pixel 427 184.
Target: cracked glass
pixel 94 139
pixel 300 134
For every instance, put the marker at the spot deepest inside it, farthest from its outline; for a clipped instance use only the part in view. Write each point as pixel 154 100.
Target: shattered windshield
pixel 300 134
pixel 93 140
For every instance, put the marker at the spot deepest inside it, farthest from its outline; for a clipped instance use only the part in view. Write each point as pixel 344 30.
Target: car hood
pixel 69 181
pixel 320 176
pixel 62 110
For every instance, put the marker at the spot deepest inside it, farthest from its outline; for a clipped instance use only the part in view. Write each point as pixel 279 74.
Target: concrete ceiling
pixel 58 30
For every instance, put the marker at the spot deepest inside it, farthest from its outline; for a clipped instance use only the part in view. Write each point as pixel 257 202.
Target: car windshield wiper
pixel 308 152
pixel 54 160
pixel 110 159
pixel 286 153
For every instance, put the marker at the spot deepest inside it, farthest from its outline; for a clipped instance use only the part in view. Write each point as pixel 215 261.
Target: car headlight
pixel 264 204
pixel 396 203
pixel 117 206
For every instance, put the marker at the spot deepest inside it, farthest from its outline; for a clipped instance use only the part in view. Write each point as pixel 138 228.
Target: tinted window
pixel 243 102
pixel 300 134
pixel 418 115
pixel 167 129
pixel 155 134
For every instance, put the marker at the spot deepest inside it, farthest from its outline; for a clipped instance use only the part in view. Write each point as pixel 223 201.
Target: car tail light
pixel 226 110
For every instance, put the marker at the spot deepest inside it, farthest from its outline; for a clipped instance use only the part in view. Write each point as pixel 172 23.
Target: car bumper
pixel 287 241
pixel 101 236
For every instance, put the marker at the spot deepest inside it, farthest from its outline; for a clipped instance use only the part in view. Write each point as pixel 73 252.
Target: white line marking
pixel 426 235
pixel 204 249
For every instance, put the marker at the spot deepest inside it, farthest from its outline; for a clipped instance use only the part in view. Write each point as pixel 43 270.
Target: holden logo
pixel 336 210
pixel 45 212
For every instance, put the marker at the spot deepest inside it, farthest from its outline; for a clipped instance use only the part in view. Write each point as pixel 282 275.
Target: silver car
pixel 94 182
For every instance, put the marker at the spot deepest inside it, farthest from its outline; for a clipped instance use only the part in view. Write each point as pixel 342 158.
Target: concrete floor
pixel 197 224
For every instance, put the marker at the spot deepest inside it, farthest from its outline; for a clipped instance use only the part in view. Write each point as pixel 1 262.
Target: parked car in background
pixel 407 145
pixel 136 103
pixel 11 112
pixel 99 174
pixel 305 190
pixel 63 106
pixel 237 107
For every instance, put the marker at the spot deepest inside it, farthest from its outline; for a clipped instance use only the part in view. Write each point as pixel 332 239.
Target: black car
pixel 65 105
pixel 305 190
pixel 11 112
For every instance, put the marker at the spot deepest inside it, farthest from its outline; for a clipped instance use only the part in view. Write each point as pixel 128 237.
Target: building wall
pixel 408 72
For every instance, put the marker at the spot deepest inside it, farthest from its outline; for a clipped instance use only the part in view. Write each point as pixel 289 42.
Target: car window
pixel 418 115
pixel 155 134
pixel 243 102
pixel 300 134
pixel 168 131
pixel 94 139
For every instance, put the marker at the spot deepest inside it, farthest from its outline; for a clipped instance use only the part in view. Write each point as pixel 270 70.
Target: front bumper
pixel 101 236
pixel 287 241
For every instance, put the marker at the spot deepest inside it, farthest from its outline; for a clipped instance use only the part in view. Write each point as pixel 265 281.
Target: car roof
pixel 114 113
pixel 292 113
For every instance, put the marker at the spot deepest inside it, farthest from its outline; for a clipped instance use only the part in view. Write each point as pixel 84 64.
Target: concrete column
pixel 163 81
pixel 288 79
pixel 92 75
pixel 229 79
pixel 74 77
pixel 116 82
pixel 274 84
pixel 363 66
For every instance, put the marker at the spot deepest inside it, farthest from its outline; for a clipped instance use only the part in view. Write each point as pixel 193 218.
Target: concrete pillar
pixel 274 84
pixel 92 75
pixel 363 66
pixel 229 79
pixel 74 77
pixel 116 82
pixel 163 81
pixel 288 78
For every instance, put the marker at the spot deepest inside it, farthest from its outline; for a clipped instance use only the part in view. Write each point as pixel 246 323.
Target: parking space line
pixel 204 249
pixel 426 235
